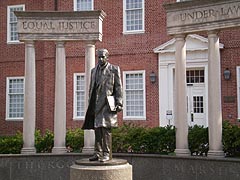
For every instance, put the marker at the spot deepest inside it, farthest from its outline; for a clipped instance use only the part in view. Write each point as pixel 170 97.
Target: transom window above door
pixel 195 76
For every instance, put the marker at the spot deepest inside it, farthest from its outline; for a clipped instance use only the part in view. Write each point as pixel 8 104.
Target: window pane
pixel 84 5
pixel 134 95
pixel 15 98
pixel 195 76
pixel 13 23
pixel 198 104
pixel 134 15
pixel 80 96
pixel 134 20
pixel 133 4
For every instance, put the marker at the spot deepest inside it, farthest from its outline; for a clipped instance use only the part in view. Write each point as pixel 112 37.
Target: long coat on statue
pixel 109 83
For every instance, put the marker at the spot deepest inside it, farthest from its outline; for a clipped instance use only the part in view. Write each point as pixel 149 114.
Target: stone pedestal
pixel 117 169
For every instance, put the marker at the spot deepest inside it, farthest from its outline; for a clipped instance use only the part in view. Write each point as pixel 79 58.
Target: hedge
pixel 11 144
pixel 132 139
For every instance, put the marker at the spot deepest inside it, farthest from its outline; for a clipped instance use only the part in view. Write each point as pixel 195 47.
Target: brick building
pixel 134 32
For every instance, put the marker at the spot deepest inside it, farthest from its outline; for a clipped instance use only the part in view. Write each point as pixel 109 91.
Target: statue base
pixel 117 169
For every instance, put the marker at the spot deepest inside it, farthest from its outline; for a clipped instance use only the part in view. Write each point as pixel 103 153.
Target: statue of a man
pixel 104 93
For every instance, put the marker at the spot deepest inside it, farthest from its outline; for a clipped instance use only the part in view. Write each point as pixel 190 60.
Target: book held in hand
pixel 111 103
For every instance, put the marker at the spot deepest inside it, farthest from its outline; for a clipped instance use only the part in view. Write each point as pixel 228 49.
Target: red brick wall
pixel 129 51
pixel 12 64
pixel 230 58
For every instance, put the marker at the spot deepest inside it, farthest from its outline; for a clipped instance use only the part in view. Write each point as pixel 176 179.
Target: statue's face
pixel 102 60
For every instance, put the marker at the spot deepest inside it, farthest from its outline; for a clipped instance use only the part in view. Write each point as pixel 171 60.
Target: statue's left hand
pixel 119 108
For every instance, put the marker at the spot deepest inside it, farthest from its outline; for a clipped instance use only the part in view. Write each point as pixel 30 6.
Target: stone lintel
pixel 61 37
pixel 57 25
pixel 202 15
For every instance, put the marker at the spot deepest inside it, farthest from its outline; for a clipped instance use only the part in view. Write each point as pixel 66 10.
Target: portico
pixel 189 17
pixel 59 27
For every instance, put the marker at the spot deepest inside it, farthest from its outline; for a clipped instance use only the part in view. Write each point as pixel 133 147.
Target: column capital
pixel 60 44
pixel 29 43
pixel 213 33
pixel 180 36
pixel 90 42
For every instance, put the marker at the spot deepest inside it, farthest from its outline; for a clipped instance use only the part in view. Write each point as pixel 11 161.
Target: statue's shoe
pixel 94 158
pixel 105 158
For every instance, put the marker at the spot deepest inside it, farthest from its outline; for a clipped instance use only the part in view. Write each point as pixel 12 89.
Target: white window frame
pixel 7 99
pixel 75 117
pixel 75 5
pixel 238 91
pixel 125 117
pixel 125 31
pixel 9 41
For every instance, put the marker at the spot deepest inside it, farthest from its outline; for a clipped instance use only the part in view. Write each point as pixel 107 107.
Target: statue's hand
pixel 119 108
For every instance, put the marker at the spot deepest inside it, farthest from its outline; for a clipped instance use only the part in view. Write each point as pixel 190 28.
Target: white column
pixel 29 100
pixel 181 98
pixel 60 100
pixel 214 97
pixel 89 137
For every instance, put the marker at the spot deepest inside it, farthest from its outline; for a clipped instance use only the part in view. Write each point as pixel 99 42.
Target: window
pixel 12 36
pixel 195 76
pixel 133 16
pixel 83 5
pixel 198 104
pixel 134 95
pixel 79 96
pixel 15 98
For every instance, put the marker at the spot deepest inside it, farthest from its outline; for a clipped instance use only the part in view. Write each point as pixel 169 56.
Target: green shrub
pixel 44 142
pixel 120 139
pixel 129 138
pixel 11 144
pixel 75 140
pixel 231 139
pixel 198 140
pixel 160 140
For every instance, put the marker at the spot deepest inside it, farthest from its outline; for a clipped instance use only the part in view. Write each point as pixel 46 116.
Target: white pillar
pixel 214 97
pixel 60 100
pixel 181 98
pixel 29 100
pixel 89 137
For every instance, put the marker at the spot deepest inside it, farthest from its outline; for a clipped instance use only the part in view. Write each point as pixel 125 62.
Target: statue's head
pixel 102 56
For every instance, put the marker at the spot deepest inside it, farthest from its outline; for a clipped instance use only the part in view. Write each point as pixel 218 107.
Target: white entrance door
pixel 196 97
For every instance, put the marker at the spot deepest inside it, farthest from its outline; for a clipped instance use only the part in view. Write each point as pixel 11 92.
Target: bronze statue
pixel 105 100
